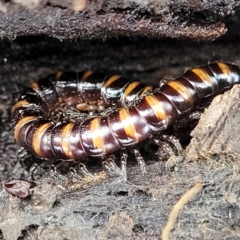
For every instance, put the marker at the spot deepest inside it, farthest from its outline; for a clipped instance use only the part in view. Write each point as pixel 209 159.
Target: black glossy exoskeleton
pixel 124 127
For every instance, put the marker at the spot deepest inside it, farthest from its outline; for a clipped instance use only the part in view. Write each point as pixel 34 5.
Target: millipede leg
pixel 169 145
pixel 123 161
pixel 195 115
pixel 174 158
pixel 34 167
pixel 32 170
pixel 110 166
pixel 162 83
pixel 66 113
pixel 165 150
pixel 73 171
pixel 85 171
pixel 91 107
pixel 74 174
pixel 76 116
pixel 54 170
pixel 140 160
pixel 184 126
pixel 21 153
pixel 174 141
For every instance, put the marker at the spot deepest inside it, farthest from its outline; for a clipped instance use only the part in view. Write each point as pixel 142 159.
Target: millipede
pixel 140 111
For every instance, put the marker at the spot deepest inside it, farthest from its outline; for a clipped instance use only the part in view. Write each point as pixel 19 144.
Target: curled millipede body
pixel 123 127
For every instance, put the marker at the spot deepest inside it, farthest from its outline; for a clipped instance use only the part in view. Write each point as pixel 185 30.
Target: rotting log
pixel 199 20
pixel 108 208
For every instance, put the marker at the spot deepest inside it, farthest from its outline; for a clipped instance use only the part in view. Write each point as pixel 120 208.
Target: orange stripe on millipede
pixel 97 139
pixel 225 69
pixel 129 88
pixel 125 117
pixel 87 74
pixel 65 143
pixel 21 103
pixel 202 75
pixel 37 137
pixel 181 89
pixel 34 85
pixel 157 106
pixel 21 123
pixel 146 90
pixel 58 75
pixel 111 80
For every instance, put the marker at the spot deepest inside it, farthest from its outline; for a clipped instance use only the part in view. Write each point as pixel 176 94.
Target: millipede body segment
pixel 153 111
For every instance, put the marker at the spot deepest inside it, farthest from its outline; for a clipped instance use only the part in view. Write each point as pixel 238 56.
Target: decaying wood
pixel 105 19
pixel 217 132
pixel 103 207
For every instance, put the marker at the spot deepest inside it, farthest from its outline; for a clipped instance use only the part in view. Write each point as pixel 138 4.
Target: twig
pixel 192 192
